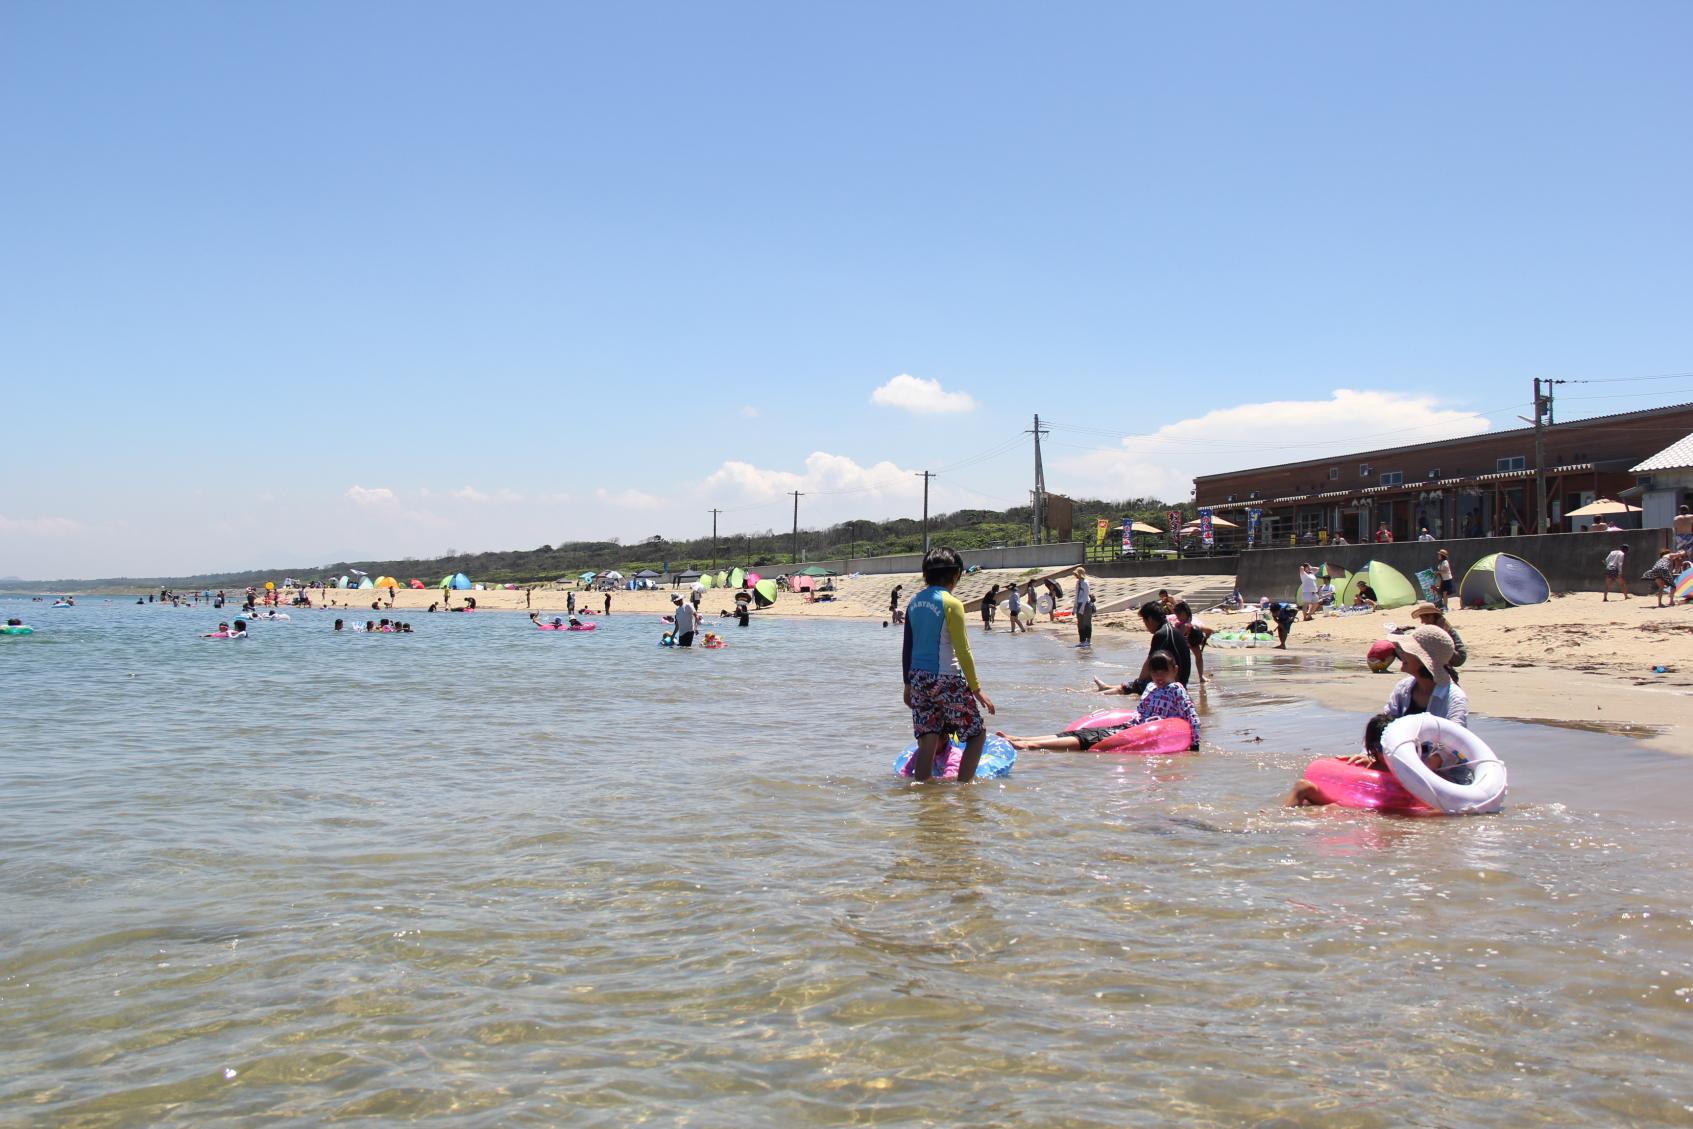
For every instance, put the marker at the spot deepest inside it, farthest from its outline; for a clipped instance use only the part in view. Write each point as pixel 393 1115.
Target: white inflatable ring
pixel 1404 744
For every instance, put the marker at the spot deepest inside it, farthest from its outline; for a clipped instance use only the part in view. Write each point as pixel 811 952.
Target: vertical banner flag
pixel 1252 526
pixel 1205 533
pixel 1103 529
pixel 1175 519
pixel 1128 536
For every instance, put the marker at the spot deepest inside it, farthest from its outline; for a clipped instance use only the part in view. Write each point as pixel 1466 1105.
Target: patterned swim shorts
pixel 942 703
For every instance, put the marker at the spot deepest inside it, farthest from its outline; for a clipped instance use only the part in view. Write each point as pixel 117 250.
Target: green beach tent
pixel 1501 580
pixel 722 578
pixel 737 579
pixel 1393 588
pixel 814 570
pixel 764 592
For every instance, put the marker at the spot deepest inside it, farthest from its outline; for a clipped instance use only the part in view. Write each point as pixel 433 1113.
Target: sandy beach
pixel 1575 660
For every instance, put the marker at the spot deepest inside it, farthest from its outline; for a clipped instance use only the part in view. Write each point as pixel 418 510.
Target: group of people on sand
pixel 943 690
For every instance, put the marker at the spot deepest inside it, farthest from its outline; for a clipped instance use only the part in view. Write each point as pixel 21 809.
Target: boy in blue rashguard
pixel 940 676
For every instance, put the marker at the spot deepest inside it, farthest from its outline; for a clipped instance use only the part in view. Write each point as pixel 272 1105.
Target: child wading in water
pixel 1165 698
pixel 941 687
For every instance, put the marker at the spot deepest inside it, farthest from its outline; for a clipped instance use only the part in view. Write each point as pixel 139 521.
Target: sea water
pixel 486 875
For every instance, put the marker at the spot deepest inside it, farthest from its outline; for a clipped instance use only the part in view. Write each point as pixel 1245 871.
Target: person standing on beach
pixel 1443 586
pixel 1663 574
pixel 1014 606
pixel 1083 609
pixel 1615 560
pixel 941 687
pixel 570 603
pixel 1683 525
pixel 608 602
pixel 1308 589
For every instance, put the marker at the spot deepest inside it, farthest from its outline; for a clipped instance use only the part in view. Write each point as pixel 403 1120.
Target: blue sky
pixel 287 284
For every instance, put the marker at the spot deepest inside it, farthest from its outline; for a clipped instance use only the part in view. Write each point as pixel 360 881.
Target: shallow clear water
pixel 484 875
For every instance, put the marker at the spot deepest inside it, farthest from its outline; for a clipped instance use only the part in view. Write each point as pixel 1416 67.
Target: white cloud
pixel 1164 463
pixel 374 496
pixel 748 411
pixel 916 394
pixel 629 499
pixel 824 474
pixel 472 494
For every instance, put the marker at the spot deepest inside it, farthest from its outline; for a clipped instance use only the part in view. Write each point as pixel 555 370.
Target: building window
pixel 1434 472
pixel 1515 462
pixel 1334 474
pixel 1363 470
pixel 1392 477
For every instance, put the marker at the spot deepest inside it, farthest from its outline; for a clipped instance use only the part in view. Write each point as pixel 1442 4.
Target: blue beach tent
pixel 1500 580
pixel 461 582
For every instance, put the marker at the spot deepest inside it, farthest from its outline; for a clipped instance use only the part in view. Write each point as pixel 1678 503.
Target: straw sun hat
pixel 1433 648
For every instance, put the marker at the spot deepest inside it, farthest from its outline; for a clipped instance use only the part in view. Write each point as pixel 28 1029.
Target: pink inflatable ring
pixel 1158 737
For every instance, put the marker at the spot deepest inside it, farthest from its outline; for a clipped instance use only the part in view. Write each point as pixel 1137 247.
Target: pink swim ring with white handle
pixel 1157 737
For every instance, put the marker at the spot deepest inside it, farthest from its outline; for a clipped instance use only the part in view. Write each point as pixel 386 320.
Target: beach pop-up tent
pixel 367 583
pixel 1393 588
pixel 764 592
pixel 461 582
pixel 737 578
pixel 1501 580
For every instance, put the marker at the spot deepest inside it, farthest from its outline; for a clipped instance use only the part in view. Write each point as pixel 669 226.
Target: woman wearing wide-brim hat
pixel 1426 614
pixel 1425 655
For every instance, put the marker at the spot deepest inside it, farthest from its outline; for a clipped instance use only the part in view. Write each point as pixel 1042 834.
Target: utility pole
pixel 714 514
pixel 797 496
pixel 1542 420
pixel 1037 531
pixel 925 475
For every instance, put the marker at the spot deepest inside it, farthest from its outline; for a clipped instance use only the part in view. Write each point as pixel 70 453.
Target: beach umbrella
pixel 1142 527
pixel 270 586
pixel 1502 580
pixel 1684 584
pixel 764 592
pixel 358 572
pixel 1392 588
pixel 737 578
pixel 1603 507
pixel 814 570
pixel 417 583
pixel 612 574
pixel 586 576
